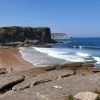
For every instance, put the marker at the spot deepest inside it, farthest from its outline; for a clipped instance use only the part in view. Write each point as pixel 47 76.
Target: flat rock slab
pixel 86 96
pixel 43 78
pixel 31 95
pixel 70 85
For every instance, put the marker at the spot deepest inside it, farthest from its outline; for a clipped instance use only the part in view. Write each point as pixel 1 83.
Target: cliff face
pixel 20 34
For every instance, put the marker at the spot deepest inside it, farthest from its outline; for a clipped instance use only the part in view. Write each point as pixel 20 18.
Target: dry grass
pixel 97 92
pixel 69 97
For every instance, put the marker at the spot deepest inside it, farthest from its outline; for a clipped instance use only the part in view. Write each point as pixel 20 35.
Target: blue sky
pixel 78 18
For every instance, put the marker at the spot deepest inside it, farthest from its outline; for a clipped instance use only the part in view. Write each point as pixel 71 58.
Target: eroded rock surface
pixel 86 96
pixel 53 84
pixel 6 84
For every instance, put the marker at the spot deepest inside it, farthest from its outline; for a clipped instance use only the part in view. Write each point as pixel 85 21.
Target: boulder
pixel 86 96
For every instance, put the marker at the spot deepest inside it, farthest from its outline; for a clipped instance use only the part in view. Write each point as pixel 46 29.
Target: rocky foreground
pixel 79 81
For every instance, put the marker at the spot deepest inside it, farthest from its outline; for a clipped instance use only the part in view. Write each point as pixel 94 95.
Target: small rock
pixel 86 96
pixel 57 87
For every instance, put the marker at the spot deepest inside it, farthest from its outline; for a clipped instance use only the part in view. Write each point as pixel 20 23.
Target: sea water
pixel 71 50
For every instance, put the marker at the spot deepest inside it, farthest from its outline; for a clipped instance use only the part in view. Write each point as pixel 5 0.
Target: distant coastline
pixel 60 36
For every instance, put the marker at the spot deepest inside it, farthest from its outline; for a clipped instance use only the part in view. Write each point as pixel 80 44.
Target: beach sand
pixel 11 59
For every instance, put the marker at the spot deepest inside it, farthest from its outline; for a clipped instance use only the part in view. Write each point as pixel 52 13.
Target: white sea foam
pixel 67 42
pixel 83 54
pixel 58 54
pixel 97 59
pixel 28 56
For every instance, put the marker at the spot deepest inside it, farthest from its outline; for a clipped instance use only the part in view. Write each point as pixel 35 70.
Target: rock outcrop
pixel 86 96
pixel 16 34
pixel 7 83
pixel 51 84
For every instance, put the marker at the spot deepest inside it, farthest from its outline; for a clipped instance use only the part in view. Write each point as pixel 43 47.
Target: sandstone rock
pixel 87 65
pixel 34 83
pixel 74 65
pixel 48 68
pixel 44 91
pixel 3 71
pixel 14 44
pixel 7 83
pixel 96 70
pixel 31 95
pixel 43 78
pixel 86 96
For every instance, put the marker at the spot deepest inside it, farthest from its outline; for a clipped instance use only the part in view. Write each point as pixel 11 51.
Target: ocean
pixel 67 51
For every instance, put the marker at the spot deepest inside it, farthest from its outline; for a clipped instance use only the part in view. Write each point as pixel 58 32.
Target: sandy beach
pixel 10 58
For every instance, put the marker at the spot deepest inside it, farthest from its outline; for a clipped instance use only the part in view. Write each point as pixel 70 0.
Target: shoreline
pixel 39 59
pixel 11 59
pixel 43 57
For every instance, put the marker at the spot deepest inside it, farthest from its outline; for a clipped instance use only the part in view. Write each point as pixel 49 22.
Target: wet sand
pixel 11 59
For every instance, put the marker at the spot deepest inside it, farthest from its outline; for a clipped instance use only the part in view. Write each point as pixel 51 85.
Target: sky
pixel 77 18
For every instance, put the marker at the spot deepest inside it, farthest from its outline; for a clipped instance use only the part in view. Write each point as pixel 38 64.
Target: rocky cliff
pixel 21 34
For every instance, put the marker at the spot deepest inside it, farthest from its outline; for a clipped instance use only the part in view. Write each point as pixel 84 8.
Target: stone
pixel 48 68
pixel 86 96
pixel 88 65
pixel 74 65
pixel 34 83
pixel 3 71
pixel 57 87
